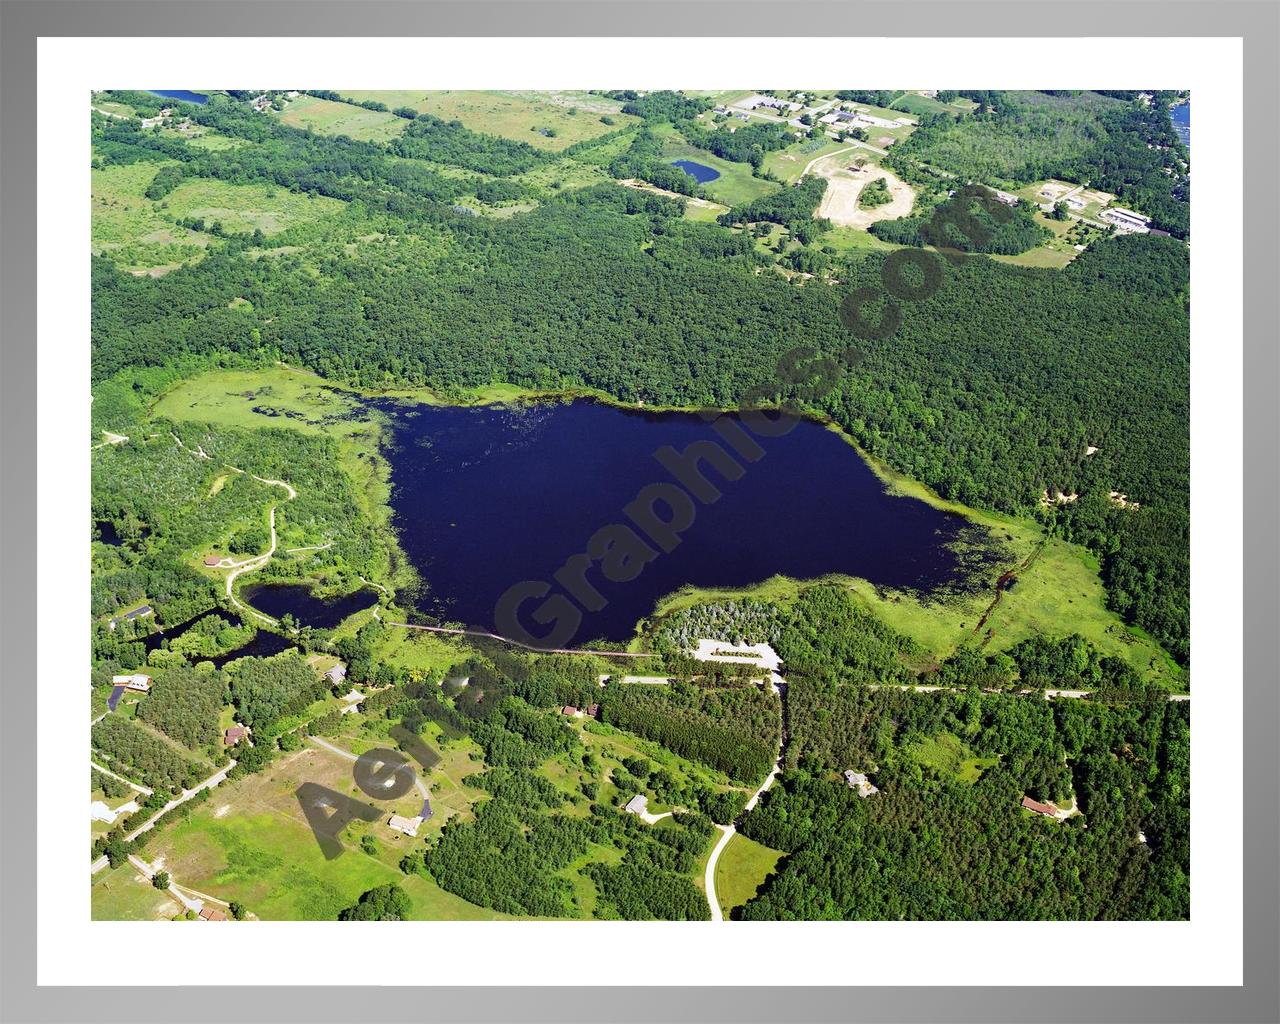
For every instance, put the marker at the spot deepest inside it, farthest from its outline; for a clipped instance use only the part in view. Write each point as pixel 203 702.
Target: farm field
pixel 522 116
pixel 333 118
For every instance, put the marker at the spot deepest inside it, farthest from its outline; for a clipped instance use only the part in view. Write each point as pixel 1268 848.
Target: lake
pixel 1181 116
pixel 489 497
pixel 263 645
pixel 277 599
pixel 701 173
pixel 180 94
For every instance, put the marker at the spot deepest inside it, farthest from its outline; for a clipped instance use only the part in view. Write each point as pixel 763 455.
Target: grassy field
pixel 425 652
pixel 847 241
pixel 523 116
pixel 328 117
pixel 742 868
pixel 129 226
pixel 143 235
pixel 244 208
pixel 123 894
pixel 736 184
pixel 947 754
pixel 1059 250
pixel 251 843
pixel 788 164
pixel 914 102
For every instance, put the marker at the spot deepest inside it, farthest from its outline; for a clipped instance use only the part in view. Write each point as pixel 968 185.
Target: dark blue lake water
pixel 701 173
pixel 488 497
pixel 277 599
pixel 180 94
pixel 263 644
pixel 1181 116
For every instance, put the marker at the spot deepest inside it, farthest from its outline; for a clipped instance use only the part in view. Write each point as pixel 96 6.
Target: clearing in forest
pixel 845 182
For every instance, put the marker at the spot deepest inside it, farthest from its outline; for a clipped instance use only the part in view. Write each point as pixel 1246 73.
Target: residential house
pixel 136 681
pixel 137 613
pixel 1048 810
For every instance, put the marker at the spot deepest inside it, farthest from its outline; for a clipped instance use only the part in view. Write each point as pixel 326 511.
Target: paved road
pixel 508 640
pixel 108 771
pixel 216 779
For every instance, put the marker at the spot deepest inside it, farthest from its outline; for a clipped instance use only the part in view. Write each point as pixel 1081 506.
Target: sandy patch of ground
pixel 222 811
pixel 644 186
pixel 845 183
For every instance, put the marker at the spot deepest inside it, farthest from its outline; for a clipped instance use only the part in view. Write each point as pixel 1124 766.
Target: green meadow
pixel 742 868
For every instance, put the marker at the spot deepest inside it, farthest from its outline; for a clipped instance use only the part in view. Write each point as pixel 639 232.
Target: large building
pixel 1126 220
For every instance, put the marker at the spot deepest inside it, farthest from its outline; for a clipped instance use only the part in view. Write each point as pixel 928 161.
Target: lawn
pixel 250 842
pixel 328 117
pixel 742 868
pixel 523 116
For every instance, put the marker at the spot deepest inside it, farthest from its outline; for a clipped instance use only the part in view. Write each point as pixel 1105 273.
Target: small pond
pixel 263 645
pixel 180 94
pixel 700 173
pixel 277 599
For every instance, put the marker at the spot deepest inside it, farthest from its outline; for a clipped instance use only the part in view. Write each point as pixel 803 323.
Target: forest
pixel 793 208
pixel 972 221
pixel 734 730
pixel 946 837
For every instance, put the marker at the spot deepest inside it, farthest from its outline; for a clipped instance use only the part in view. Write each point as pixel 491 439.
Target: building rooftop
pixel 1038 807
